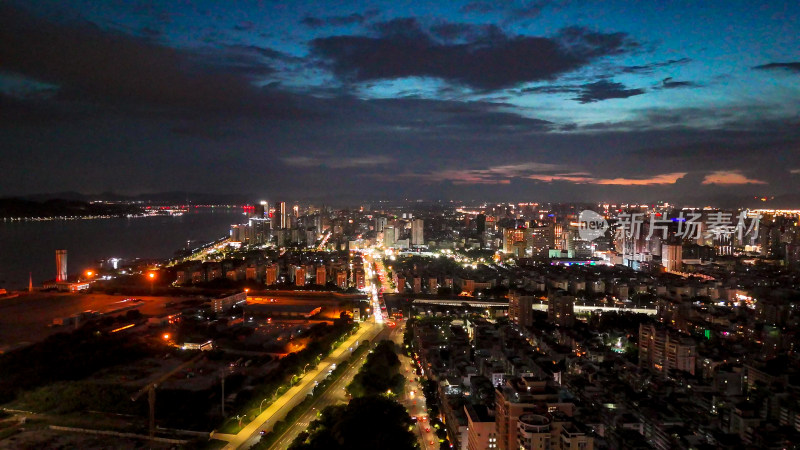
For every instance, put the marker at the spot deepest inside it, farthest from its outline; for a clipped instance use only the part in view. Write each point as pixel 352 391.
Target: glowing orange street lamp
pixel 166 336
pixel 152 277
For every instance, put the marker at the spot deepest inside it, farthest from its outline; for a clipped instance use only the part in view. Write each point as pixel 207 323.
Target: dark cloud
pixel 552 89
pixel 430 117
pixel 605 90
pixel 450 31
pixel 244 26
pixel 338 21
pixel 513 12
pixel 15 112
pixel 669 83
pixel 651 68
pixel 727 152
pixel 403 28
pixel 110 68
pixel 530 10
pixel 479 7
pixel 265 52
pixel 787 66
pixel 403 48
pixel 587 93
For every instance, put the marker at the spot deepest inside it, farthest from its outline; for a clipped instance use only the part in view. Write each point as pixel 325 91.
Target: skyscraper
pixel 671 256
pixel 259 210
pixel 540 241
pixel 520 308
pixel 388 236
pixel 283 215
pixel 380 224
pixel 515 241
pixel 480 223
pixel 662 349
pixel 417 237
pixel 561 309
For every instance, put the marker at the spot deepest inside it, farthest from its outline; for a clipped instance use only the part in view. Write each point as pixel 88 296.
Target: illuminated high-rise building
pixel 283 215
pixel 388 236
pixel 671 256
pixel 558 231
pixel 520 308
pixel 259 210
pixel 662 349
pixel 515 241
pixel 540 241
pixel 561 309
pixel 417 237
pixel 480 223
pixel 380 223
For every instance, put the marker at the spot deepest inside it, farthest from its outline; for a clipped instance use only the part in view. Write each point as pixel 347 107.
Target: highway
pixel 333 396
pixel 336 393
pixel 378 309
pixel 413 398
pixel 414 403
pixel 369 330
pixel 250 434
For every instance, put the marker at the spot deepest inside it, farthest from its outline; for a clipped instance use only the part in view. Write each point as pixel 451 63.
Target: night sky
pixel 537 100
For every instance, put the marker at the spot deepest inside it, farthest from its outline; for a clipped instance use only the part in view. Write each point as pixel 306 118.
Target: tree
pixel 367 423
pixel 379 374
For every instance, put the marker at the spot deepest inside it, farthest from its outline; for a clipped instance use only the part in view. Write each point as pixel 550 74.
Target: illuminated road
pixel 414 399
pixel 250 434
pixel 203 254
pixel 385 286
pixel 333 396
pixel 376 300
pixel 336 394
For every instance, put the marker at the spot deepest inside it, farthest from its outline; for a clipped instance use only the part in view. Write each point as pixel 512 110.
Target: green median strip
pixel 280 427
pixel 282 379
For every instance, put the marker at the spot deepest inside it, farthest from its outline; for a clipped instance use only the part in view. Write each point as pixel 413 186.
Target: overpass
pixel 450 302
pixel 538 306
pixel 588 309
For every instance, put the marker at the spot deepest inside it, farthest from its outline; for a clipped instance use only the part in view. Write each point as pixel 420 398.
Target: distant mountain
pixel 17 207
pixel 174 197
pixel 785 201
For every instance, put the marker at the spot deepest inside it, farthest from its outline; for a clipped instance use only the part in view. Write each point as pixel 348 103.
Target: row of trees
pixel 372 419
pixel 322 339
pixel 380 373
pixel 366 423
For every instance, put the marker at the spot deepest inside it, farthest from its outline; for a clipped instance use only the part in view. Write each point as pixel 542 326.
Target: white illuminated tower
pixel 61 265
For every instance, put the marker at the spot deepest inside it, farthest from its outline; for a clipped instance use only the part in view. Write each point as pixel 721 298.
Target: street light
pixel 304 368
pixel 261 404
pixel 152 277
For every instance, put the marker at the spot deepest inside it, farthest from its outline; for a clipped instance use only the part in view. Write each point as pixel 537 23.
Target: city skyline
pixel 551 100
